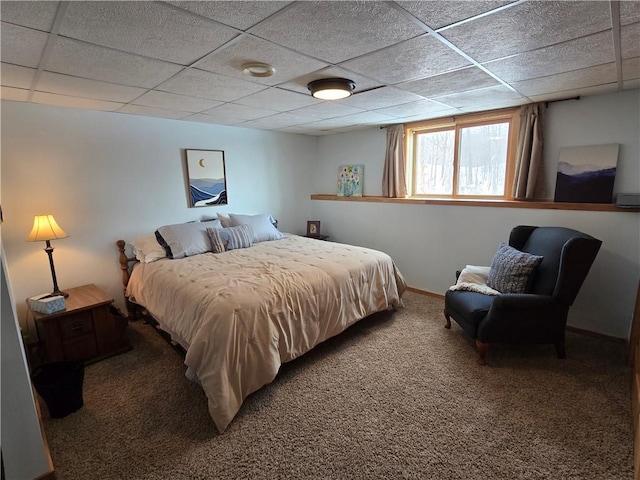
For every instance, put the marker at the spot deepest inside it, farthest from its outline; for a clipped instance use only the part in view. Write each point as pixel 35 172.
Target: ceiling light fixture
pixel 257 69
pixel 331 88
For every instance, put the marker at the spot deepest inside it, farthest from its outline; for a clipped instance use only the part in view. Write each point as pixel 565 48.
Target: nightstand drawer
pixel 76 325
pixel 80 348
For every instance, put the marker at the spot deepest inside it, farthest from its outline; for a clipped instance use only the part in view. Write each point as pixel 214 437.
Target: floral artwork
pixel 350 178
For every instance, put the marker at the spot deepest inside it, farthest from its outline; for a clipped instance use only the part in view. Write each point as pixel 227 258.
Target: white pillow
pixel 225 221
pixel 147 249
pixel 261 225
pixel 186 239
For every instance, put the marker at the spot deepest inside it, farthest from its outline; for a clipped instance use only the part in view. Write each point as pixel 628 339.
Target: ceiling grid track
pixel 615 31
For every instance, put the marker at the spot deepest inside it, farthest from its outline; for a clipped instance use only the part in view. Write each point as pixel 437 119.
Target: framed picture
pixel 207 179
pixel 586 174
pixel 350 179
pixel 313 227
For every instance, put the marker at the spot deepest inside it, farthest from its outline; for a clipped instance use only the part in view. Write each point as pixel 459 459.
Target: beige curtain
pixel 529 174
pixel 393 178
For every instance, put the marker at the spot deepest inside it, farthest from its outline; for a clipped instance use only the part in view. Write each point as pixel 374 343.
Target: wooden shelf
pixel 540 205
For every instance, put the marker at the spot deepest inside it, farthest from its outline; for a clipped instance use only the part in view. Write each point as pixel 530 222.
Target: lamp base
pixel 58 292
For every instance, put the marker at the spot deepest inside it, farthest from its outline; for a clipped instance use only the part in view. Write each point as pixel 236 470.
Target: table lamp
pixel 45 228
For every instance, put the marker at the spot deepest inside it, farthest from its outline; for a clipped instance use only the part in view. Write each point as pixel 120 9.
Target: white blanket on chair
pixel 474 279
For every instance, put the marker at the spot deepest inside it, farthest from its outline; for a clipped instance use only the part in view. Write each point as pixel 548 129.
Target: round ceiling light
pixel 331 88
pixel 256 69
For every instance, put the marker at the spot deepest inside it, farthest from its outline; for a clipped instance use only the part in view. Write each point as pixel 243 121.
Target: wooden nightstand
pixel 317 237
pixel 85 330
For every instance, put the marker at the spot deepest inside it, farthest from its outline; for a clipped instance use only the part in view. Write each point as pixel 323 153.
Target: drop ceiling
pixel 410 60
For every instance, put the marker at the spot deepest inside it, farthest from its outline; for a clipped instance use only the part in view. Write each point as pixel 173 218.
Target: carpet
pixel 396 396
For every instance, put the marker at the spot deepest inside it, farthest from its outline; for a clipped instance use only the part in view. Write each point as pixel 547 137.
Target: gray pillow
pixel 186 239
pixel 512 269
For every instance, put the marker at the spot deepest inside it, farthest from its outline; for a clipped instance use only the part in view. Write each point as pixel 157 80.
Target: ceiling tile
pixel 204 118
pixel 529 26
pixel 240 15
pixel 229 60
pixel 337 31
pixel 300 84
pixel 611 87
pixel 422 107
pixel 631 68
pixel 458 81
pixel 479 97
pixel 631 84
pixel 581 53
pixel 37 15
pixel 363 118
pixel 380 98
pixel 327 110
pixel 198 83
pixel 630 41
pixel 74 102
pixel 91 61
pixel 153 112
pixel 83 87
pixel 15 94
pixel 285 119
pixel 483 107
pixel 629 12
pixel 145 28
pixel 173 101
pixel 419 57
pixel 16 76
pixel 239 112
pixel 22 46
pixel 440 13
pixel 586 77
pixel 278 100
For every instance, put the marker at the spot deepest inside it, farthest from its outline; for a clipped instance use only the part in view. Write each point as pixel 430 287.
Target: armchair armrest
pixel 517 317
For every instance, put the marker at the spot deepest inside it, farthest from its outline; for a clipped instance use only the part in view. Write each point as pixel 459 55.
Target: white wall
pixel 106 176
pixel 23 449
pixel 429 242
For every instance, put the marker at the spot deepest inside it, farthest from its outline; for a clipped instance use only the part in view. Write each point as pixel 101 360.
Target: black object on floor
pixel 60 386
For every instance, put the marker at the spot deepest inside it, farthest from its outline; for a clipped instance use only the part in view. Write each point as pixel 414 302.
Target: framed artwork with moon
pixel 207 179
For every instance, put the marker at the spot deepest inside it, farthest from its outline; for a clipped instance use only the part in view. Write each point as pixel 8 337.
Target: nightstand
pixel 318 237
pixel 86 330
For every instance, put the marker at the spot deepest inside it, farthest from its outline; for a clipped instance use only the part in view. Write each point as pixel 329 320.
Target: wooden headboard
pixel 126 264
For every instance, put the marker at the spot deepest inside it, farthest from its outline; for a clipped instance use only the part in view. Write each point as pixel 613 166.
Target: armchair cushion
pixel 511 270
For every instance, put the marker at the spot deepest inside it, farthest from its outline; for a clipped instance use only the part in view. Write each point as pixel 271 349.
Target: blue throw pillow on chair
pixel 511 270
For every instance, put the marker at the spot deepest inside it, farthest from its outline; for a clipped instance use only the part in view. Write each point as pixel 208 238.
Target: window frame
pixel 508 115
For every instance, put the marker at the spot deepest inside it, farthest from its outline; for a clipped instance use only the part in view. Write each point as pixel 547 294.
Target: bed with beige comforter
pixel 242 313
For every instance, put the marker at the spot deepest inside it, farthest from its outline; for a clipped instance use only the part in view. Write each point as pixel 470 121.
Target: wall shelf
pixel 540 205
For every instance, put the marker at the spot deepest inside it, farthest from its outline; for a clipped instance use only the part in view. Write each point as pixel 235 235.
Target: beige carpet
pixel 396 397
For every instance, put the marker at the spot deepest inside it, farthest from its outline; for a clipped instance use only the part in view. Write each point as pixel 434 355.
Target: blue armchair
pixel 540 314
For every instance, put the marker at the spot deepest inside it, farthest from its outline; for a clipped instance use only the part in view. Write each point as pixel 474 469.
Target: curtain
pixel 393 178
pixel 529 172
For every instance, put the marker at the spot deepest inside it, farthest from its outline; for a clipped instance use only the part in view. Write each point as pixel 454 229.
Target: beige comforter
pixel 243 313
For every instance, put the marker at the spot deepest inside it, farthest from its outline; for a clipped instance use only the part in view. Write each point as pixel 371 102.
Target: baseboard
pixel 425 292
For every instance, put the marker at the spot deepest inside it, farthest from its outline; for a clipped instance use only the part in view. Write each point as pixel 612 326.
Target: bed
pixel 242 313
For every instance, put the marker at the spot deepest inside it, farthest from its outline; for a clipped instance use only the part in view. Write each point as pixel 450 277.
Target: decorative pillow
pixel 262 226
pixel 186 239
pixel 147 249
pixel 232 238
pixel 512 269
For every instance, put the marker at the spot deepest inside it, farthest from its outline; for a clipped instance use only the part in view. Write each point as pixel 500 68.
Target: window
pixel 470 156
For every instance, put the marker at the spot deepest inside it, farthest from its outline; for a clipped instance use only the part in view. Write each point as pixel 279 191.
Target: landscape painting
pixel 586 174
pixel 350 179
pixel 207 181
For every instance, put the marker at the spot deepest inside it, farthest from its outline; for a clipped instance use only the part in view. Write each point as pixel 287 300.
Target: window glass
pixel 434 173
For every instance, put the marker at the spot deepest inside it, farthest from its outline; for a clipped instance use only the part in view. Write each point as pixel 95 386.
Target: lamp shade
pixel 45 228
pixel 331 88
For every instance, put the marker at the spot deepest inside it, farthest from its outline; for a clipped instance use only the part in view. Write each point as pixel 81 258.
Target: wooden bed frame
pixel 135 311
pixel 126 264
